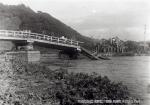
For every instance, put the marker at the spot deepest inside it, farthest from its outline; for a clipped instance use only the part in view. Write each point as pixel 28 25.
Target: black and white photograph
pixel 74 52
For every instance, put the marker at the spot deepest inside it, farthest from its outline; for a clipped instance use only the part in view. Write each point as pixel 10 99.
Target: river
pixel 132 71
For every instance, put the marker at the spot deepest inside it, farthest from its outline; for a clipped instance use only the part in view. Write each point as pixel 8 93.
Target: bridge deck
pixel 35 37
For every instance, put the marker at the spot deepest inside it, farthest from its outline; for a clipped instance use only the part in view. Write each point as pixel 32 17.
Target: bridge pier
pixel 13 49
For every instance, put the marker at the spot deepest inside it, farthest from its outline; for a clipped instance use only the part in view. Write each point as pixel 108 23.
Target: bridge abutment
pixel 23 56
pixel 6 46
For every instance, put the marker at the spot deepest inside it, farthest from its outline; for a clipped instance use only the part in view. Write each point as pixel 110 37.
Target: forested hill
pixel 21 17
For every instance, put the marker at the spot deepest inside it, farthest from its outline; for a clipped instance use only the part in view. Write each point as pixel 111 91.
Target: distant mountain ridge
pixel 21 17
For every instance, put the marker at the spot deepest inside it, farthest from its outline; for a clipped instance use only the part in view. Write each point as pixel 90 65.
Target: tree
pixel 132 46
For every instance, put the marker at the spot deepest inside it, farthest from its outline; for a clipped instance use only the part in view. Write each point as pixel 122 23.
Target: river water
pixel 132 71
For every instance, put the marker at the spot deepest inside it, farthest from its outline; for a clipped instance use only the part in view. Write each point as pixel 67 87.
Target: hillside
pixel 21 17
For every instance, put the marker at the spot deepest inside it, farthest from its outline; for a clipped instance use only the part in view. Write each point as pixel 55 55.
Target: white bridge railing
pixel 35 37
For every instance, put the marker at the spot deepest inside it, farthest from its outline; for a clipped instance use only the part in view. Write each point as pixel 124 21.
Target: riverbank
pixel 37 84
pixel 133 71
pixel 123 54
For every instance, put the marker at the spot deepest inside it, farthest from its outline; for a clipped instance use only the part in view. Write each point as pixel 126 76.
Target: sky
pixel 98 18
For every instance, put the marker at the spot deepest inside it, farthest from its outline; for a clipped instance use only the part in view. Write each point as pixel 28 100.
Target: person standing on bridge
pixel 64 39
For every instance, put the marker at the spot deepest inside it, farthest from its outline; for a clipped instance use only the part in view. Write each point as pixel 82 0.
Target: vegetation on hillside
pixel 21 17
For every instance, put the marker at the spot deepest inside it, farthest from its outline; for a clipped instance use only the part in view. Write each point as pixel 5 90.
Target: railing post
pixel 71 41
pixel 58 40
pixel 77 43
pixel 28 35
pixel 51 38
pixel 44 37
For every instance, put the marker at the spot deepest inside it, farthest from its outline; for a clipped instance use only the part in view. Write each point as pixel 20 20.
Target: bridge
pixel 59 42
pixel 35 37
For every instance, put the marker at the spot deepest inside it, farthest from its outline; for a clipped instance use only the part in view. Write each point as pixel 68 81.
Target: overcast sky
pixel 98 18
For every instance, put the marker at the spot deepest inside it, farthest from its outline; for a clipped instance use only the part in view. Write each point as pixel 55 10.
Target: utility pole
pixel 144 37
